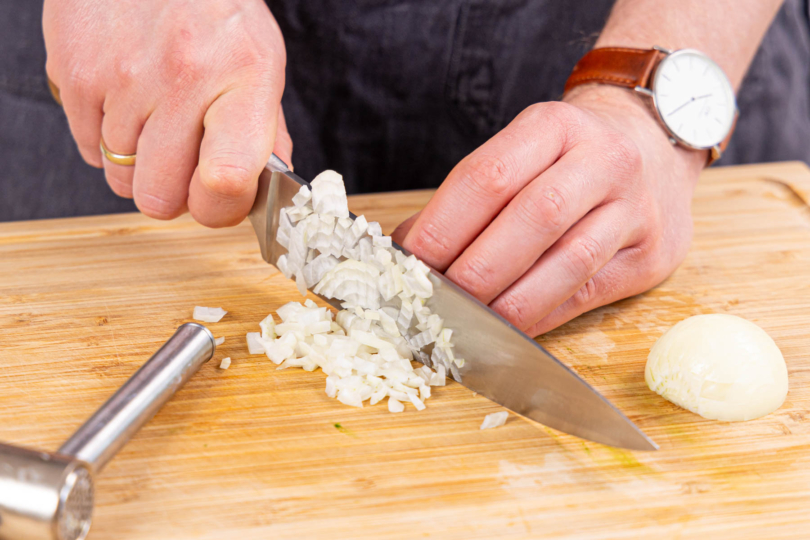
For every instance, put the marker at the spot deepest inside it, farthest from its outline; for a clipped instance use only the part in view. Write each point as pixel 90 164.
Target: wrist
pixel 631 114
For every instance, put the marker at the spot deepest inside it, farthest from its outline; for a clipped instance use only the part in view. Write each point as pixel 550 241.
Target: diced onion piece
pixel 329 195
pixel 377 396
pixel 278 352
pixel 382 241
pixel 367 350
pixel 226 363
pixel 494 420
pixel 416 402
pixel 439 378
pixel 374 228
pixel 302 197
pixel 283 266
pixel 395 406
pixel 268 326
pixel 255 343
pixel 207 314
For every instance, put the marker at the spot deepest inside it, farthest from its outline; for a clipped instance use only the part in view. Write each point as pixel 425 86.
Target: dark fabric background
pixel 391 93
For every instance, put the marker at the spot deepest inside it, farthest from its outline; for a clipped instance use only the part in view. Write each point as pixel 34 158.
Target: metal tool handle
pixel 135 403
pixel 277 164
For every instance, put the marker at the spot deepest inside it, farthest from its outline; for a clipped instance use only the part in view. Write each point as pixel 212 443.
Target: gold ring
pixel 54 91
pixel 128 160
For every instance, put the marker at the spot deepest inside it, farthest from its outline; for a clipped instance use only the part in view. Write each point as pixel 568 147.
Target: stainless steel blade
pixel 501 362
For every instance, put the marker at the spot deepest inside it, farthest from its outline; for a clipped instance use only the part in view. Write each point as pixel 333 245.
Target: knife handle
pixel 277 164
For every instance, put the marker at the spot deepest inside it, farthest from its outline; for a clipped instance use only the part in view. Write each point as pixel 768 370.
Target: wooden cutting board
pixel 255 453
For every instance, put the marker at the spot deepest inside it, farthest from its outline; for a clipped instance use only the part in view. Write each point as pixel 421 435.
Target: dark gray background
pixel 392 93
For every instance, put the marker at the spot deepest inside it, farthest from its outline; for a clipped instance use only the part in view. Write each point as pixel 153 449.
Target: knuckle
pixel 586 295
pixel 184 62
pixel 566 119
pixel 432 245
pixel 227 176
pixel 545 211
pixel 623 156
pixel 81 81
pixel 515 308
pixel 585 256
pixel 126 72
pixel 490 176
pixel 476 276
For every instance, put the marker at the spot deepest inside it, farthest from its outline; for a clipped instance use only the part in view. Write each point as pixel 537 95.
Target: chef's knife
pixel 501 362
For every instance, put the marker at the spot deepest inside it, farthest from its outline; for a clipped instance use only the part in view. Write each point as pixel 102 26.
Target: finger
pixel 82 102
pixel 283 146
pixel 530 224
pixel 563 271
pixel 168 152
pixel 121 128
pixel 624 276
pixel 240 129
pixel 402 229
pixel 486 180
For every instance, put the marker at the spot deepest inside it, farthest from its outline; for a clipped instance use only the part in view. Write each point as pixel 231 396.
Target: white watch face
pixel 694 98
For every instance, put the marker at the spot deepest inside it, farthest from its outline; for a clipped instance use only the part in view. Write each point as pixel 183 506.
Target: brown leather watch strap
pixel 615 65
pixel 714 155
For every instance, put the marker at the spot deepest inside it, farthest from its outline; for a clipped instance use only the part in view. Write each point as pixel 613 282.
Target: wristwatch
pixel 691 96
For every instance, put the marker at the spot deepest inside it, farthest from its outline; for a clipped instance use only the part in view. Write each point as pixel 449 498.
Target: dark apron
pixel 391 93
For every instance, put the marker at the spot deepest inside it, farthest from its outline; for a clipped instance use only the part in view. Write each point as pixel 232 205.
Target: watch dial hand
pixel 704 96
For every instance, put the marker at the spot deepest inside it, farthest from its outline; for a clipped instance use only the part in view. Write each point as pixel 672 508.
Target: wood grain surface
pixel 255 453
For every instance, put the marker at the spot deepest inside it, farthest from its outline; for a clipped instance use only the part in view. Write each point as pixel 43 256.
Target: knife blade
pixel 501 362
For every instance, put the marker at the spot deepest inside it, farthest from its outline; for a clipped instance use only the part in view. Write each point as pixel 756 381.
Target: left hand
pixel 572 206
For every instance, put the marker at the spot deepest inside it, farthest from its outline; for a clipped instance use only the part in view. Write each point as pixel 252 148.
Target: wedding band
pixel 126 160
pixel 54 91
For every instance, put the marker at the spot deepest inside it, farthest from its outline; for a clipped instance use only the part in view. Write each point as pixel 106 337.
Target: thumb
pixel 240 133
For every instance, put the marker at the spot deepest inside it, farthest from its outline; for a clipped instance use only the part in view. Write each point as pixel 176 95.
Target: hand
pixel 193 87
pixel 572 206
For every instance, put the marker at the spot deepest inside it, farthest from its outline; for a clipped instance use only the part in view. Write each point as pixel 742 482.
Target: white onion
pixel 719 366
pixel 226 363
pixel 494 420
pixel 302 197
pixel 395 406
pixel 255 343
pixel 329 195
pixel 219 341
pixel 207 314
pixel 367 350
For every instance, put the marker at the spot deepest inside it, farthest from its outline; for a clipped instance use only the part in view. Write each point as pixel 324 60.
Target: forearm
pixel 729 31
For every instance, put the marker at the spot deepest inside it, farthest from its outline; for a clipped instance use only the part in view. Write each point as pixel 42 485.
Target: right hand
pixel 194 87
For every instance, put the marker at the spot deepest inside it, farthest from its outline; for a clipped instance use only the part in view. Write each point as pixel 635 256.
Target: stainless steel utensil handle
pixel 278 164
pixel 135 403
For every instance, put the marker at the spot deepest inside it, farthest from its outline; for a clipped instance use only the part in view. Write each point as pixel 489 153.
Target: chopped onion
pixel 207 314
pixel 219 341
pixel 226 363
pixel 494 420
pixel 255 343
pixel 395 406
pixel 367 350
